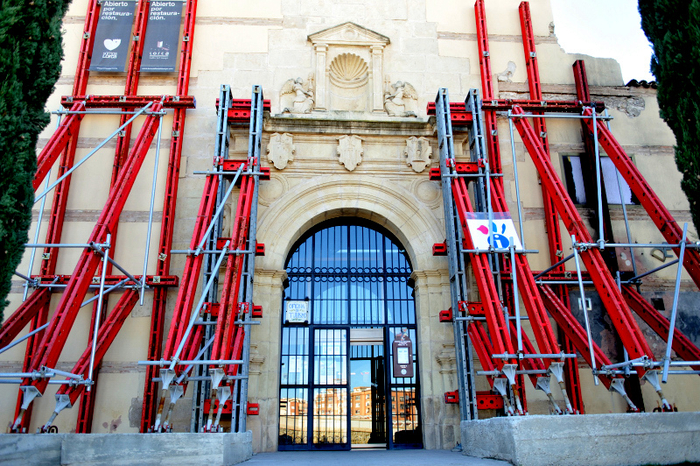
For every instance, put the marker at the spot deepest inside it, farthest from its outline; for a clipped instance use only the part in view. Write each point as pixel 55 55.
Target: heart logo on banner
pixel 112 44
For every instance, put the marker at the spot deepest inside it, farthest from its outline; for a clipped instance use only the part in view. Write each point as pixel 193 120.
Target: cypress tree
pixel 673 28
pixel 30 64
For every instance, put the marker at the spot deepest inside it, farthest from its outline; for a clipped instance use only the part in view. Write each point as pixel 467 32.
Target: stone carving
pixel 401 99
pixel 350 151
pixel 343 52
pixel 418 153
pixel 280 150
pixel 507 75
pixel 348 71
pixel 297 97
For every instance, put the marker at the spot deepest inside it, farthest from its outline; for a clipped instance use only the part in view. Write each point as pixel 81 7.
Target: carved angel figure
pixel 297 97
pixel 401 99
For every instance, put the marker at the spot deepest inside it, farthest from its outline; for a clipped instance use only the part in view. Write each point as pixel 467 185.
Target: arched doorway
pixel 348 305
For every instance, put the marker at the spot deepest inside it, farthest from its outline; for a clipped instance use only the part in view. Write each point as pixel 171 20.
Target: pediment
pixel 348 34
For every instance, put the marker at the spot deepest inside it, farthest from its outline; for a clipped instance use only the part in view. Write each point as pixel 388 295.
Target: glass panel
pixel 330 301
pixel 405 424
pixel 293 416
pixel 330 357
pixel 295 356
pixel 330 421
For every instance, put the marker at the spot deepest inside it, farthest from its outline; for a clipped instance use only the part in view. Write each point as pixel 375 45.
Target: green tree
pixel 30 64
pixel 673 28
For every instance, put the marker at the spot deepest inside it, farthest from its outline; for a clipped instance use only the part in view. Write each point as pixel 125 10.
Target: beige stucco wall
pixel 431 44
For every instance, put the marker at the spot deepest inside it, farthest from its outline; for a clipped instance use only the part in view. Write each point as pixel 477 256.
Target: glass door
pixel 348 295
pixel 368 396
pixel 330 389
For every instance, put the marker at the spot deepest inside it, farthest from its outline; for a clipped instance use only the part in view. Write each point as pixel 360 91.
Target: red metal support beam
pixel 554 238
pixel 57 143
pixel 498 329
pixel 225 328
pixel 588 170
pixel 21 317
pixel 576 333
pixel 658 212
pixel 67 309
pixel 105 337
pixel 682 345
pixel 128 102
pixel 487 92
pixel 625 324
pixel 123 141
pixel 155 345
pixel 60 197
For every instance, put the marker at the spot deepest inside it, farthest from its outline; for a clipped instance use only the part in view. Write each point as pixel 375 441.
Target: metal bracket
pixel 509 370
pixel 167 376
pixel 618 385
pixel 29 393
pixel 652 376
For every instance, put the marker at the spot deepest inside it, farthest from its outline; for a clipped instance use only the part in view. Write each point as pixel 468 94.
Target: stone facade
pixel 347 136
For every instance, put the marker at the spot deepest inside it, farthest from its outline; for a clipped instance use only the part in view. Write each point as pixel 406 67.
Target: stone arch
pixel 414 224
pixel 385 203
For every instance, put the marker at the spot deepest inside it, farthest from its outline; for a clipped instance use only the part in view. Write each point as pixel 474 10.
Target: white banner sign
pixel 297 312
pixel 500 235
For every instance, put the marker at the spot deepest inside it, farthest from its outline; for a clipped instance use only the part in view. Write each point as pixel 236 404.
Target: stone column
pixel 321 78
pixel 263 385
pixel 440 421
pixel 377 78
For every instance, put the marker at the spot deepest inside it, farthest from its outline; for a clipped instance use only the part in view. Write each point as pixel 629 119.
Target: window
pixel 573 174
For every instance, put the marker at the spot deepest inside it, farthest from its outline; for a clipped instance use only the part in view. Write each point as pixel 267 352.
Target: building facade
pixel 350 214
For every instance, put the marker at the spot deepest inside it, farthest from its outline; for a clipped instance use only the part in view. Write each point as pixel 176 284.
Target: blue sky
pixel 604 28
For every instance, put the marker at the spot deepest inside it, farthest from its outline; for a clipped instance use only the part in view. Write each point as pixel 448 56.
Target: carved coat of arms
pixel 280 150
pixel 418 153
pixel 350 151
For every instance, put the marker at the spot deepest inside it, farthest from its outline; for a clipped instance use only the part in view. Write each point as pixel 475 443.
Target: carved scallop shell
pixel 348 70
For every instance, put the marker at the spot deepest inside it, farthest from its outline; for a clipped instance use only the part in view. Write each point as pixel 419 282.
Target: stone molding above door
pixel 349 69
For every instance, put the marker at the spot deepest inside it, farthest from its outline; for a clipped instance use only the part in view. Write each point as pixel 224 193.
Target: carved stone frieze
pixel 400 99
pixel 349 63
pixel 297 96
pixel 280 150
pixel 418 153
pixel 350 151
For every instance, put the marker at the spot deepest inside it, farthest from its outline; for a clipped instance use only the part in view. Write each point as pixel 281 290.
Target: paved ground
pixel 371 458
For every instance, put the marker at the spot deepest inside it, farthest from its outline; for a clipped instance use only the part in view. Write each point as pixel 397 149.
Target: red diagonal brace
pixel 225 327
pixel 193 266
pixel 21 317
pixel 658 212
pixel 682 345
pixel 106 334
pixel 624 322
pixel 574 330
pixel 57 143
pixel 495 320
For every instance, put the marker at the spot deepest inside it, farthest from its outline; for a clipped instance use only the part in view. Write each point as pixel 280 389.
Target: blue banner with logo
pixel 162 36
pixel 112 37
